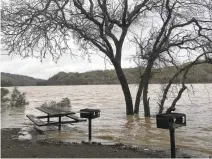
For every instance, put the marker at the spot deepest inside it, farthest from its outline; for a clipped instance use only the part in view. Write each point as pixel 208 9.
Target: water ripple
pixel 113 124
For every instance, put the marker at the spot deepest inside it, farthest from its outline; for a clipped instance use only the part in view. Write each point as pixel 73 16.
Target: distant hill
pixel 92 77
pixel 8 79
pixel 198 74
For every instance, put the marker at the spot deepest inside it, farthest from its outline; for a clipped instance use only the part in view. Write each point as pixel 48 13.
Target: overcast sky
pixel 34 68
pixel 44 70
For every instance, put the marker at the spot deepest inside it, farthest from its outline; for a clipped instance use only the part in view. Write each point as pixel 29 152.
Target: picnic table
pixel 52 112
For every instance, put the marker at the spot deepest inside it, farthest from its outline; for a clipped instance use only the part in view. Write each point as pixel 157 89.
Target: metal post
pixel 59 126
pixel 172 142
pixel 89 129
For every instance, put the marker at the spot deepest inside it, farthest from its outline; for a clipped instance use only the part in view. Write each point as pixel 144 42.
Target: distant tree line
pixel 8 80
pixel 198 74
pixel 6 83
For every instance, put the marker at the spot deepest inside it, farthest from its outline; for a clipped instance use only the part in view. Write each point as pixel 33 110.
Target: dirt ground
pixel 11 147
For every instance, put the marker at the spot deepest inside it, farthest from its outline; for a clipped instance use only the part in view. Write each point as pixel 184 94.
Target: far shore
pixel 98 84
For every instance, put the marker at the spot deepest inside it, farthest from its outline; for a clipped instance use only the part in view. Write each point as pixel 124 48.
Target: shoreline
pixel 12 147
pixel 109 84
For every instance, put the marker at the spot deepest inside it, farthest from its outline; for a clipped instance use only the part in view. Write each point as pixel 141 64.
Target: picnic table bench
pixel 52 113
pixel 36 120
pixel 76 118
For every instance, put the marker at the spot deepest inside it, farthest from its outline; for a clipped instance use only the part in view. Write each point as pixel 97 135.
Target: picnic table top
pixel 55 111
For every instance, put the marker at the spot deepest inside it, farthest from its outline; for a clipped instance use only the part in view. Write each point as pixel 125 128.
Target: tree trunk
pixel 138 96
pixel 125 87
pixel 146 79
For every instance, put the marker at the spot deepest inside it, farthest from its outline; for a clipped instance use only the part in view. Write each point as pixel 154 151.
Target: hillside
pixel 92 77
pixel 8 79
pixel 198 74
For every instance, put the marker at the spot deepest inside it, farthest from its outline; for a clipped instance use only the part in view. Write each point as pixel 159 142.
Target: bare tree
pixel 38 27
pixel 174 28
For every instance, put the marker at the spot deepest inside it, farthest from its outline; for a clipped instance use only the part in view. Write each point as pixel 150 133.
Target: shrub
pixel 64 103
pixel 18 99
pixel 50 104
pixel 4 99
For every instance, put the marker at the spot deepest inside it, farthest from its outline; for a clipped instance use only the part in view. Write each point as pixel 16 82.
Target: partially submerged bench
pixel 35 120
pixel 76 118
pixel 38 122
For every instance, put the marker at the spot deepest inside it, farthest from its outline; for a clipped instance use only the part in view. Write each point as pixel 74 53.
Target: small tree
pixel 182 71
pixel 18 99
pixel 64 103
pixel 4 99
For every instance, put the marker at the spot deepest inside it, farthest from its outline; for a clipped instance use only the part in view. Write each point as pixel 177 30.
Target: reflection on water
pixel 113 124
pixel 12 117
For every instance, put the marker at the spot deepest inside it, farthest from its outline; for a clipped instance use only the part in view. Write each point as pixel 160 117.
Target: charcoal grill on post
pixel 171 121
pixel 89 114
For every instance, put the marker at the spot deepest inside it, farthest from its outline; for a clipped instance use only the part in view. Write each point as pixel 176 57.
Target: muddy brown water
pixel 113 125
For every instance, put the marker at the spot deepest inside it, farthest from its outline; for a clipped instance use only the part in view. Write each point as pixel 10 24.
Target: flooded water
pixel 113 125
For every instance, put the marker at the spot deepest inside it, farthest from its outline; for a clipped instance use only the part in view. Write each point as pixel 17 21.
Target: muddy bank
pixel 12 147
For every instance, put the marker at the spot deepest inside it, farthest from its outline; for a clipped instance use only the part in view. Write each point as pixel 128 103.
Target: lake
pixel 113 125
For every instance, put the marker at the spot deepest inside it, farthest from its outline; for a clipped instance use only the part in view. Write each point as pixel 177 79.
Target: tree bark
pixel 146 79
pixel 125 87
pixel 166 90
pixel 172 108
pixel 138 96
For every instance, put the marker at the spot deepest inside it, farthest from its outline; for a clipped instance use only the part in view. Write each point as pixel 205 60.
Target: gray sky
pixel 34 68
pixel 44 70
